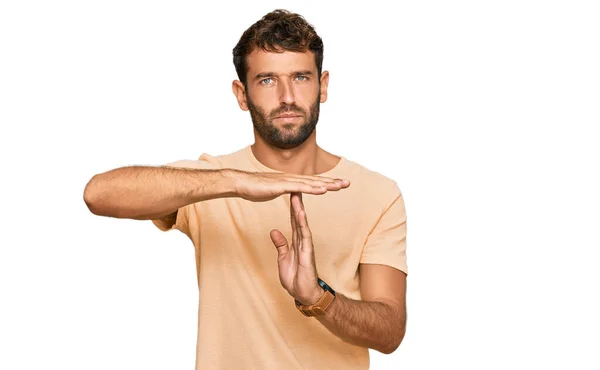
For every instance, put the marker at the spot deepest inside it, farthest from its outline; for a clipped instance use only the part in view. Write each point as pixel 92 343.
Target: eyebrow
pixel 272 74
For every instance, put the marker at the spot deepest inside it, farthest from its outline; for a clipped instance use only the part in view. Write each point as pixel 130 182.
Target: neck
pixel 305 159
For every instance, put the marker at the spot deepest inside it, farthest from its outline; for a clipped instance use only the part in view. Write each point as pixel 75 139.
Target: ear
pixel 240 94
pixel 324 83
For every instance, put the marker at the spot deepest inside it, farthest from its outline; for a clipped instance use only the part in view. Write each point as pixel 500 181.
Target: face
pixel 283 96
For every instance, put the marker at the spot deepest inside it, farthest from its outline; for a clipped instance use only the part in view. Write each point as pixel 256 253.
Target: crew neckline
pixel 258 164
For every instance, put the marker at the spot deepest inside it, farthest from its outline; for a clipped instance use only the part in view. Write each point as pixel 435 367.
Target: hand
pixel 297 267
pixel 263 186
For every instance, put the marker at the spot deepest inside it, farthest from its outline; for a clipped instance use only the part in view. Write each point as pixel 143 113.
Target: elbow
pixel 100 199
pixel 392 346
pixel 91 196
pixel 390 349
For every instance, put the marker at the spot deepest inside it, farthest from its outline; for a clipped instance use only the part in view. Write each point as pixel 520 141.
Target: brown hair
pixel 277 31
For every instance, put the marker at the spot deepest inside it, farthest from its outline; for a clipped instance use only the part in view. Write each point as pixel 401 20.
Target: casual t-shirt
pixel 246 319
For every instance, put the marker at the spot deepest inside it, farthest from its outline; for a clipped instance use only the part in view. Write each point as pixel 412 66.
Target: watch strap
pixel 318 308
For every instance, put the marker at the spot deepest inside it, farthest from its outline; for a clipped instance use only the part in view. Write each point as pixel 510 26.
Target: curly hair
pixel 278 31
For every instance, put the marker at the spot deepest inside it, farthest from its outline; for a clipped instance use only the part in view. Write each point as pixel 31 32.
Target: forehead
pixel 259 61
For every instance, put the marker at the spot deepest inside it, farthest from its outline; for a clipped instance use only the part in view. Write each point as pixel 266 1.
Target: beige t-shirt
pixel 246 320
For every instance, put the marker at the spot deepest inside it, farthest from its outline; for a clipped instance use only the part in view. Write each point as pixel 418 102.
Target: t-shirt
pixel 246 319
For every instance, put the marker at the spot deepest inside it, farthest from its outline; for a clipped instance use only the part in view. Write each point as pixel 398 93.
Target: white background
pixel 485 113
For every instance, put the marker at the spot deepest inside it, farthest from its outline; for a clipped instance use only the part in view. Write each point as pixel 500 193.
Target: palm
pixel 296 260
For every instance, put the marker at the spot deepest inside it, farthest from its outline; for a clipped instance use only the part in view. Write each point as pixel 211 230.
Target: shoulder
pixel 237 159
pixel 369 181
pixel 210 161
pixel 371 191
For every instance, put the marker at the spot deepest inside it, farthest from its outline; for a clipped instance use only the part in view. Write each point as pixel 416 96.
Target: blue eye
pixel 302 78
pixel 266 81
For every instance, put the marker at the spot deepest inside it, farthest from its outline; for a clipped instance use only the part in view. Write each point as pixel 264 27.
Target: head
pixel 279 66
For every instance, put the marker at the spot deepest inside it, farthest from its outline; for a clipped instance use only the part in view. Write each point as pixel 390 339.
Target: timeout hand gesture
pixel 297 268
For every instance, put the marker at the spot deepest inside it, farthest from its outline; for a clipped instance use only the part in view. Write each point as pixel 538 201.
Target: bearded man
pixel 300 253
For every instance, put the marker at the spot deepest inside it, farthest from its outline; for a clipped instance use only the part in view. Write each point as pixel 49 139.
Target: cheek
pixel 264 98
pixel 307 95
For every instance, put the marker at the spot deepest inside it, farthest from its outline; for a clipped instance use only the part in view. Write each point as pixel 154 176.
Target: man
pixel 315 295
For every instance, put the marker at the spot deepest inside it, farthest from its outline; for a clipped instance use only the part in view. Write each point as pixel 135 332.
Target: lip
pixel 288 116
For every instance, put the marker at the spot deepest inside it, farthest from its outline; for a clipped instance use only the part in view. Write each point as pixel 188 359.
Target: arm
pixel 378 321
pixel 143 193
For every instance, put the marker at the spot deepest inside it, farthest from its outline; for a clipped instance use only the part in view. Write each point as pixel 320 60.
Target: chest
pixel 233 228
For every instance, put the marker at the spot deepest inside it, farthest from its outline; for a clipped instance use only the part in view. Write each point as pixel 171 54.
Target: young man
pixel 297 269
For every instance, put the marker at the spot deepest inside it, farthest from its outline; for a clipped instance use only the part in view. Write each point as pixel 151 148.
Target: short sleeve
pixel 186 214
pixel 386 244
pixel 181 221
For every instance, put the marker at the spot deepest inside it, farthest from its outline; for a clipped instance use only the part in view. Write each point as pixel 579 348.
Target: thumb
pixel 280 242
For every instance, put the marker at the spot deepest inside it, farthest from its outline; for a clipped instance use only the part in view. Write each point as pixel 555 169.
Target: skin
pixel 289 82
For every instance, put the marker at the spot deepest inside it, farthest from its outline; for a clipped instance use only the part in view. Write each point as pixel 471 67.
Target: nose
pixel 286 92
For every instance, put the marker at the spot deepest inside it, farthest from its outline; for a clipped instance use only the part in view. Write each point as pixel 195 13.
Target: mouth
pixel 283 116
pixel 288 118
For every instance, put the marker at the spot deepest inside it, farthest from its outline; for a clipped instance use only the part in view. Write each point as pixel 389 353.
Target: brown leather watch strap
pixel 319 307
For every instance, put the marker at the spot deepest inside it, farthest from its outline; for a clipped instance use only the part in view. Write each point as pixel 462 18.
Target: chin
pixel 286 146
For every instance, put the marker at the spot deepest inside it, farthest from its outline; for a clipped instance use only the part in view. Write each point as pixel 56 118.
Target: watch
pixel 318 308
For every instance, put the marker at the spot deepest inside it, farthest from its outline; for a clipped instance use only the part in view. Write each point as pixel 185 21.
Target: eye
pixel 301 78
pixel 266 81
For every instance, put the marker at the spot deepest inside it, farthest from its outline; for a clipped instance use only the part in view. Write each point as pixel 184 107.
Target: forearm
pixel 142 192
pixel 376 325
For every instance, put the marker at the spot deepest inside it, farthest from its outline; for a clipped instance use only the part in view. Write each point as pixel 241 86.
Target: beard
pixel 286 136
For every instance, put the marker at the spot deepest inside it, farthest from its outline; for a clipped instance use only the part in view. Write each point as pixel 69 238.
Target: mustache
pixel 287 109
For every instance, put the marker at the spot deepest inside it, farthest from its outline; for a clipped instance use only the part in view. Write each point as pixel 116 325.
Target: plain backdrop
pixel 485 113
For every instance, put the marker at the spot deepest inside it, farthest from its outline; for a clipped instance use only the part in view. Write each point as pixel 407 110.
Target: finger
pixel 322 184
pixel 300 216
pixel 298 207
pixel 315 177
pixel 300 202
pixel 280 242
pixel 344 183
pixel 305 232
pixel 293 218
pixel 319 182
pixel 300 187
pixel 294 222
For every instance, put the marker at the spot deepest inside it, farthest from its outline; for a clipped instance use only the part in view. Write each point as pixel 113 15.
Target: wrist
pixel 228 182
pixel 213 184
pixel 318 308
pixel 313 297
